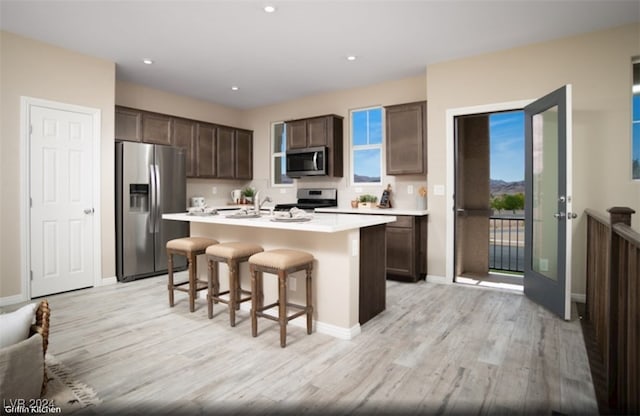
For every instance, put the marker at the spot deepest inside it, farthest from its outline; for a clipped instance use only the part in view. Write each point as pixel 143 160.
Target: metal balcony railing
pixel 506 243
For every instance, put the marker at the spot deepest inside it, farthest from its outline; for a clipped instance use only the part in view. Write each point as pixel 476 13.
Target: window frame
pixel 275 154
pixel 381 147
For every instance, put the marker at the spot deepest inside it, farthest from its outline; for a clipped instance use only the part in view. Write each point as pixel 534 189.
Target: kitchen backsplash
pixel 400 186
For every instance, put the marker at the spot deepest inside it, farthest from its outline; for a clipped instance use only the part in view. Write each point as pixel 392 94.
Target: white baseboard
pixel 320 327
pixel 437 279
pixel 12 300
pixel 108 281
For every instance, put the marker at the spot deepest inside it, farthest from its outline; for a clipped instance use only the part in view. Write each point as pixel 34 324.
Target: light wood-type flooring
pixel 437 349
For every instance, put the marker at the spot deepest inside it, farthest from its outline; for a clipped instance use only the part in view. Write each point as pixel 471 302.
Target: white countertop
pixel 321 222
pixel 376 211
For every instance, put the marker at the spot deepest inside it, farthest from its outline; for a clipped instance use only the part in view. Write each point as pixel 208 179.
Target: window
pixel 278 161
pixel 366 146
pixel 635 122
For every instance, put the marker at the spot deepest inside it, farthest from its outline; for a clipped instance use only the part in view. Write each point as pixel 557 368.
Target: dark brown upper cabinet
pixel 406 138
pixel 234 153
pixel 225 153
pixel 244 154
pixel 319 131
pixel 156 128
pixel 184 135
pixel 231 158
pixel 128 124
pixel 205 155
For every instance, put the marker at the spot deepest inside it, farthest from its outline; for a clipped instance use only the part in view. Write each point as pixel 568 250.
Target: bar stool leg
pixel 170 278
pixel 211 284
pixel 309 300
pixel 254 301
pixel 282 307
pixel 192 281
pixel 233 291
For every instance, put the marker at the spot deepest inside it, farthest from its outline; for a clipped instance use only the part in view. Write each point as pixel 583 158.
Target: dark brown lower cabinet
pixel 407 248
pixel 373 289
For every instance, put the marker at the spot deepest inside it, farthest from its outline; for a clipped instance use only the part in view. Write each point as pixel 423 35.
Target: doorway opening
pixel 489 199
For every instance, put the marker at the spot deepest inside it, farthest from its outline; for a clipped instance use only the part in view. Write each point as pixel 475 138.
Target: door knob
pixel 572 215
pixel 88 211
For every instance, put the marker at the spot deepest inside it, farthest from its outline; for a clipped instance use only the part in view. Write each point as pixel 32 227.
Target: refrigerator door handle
pixel 158 199
pixel 152 200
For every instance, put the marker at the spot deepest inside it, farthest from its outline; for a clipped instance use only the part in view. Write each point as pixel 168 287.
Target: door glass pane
pixel 545 193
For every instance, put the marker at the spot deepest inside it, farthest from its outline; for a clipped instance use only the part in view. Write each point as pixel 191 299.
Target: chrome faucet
pixel 257 204
pixel 266 199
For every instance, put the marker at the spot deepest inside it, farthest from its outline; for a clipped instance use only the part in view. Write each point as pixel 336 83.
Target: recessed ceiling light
pixel 235 88
pixel 269 9
pixel 147 61
pixel 351 58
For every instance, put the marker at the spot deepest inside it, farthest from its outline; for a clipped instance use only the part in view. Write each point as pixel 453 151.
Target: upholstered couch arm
pixel 22 369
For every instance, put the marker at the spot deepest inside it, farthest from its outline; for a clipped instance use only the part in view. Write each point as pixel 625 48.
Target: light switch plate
pixel 438 189
pixel 214 190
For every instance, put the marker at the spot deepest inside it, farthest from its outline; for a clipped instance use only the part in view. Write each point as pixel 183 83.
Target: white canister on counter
pixel 197 201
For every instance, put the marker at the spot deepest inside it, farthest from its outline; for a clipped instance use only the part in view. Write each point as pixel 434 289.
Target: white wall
pixel 38 70
pixel 598 65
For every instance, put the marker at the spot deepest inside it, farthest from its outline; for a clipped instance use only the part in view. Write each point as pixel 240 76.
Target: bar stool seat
pixel 191 248
pixel 281 262
pixel 232 253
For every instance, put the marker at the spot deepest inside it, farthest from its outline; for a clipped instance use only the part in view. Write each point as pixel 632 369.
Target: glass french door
pixel 547 271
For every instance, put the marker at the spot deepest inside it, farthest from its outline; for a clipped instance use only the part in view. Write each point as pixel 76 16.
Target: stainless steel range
pixel 312 198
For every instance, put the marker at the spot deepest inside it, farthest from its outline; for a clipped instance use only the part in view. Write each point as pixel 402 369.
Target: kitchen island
pixel 349 270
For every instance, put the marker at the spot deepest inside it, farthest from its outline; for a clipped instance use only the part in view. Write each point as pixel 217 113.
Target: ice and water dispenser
pixel 138 197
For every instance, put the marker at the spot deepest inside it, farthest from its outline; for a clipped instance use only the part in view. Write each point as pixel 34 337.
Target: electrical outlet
pixel 410 189
pixel 358 190
pixel 438 189
pixel 283 190
pixel 214 190
pixel 292 283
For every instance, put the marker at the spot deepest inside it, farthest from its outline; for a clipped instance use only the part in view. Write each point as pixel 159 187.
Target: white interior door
pixel 61 198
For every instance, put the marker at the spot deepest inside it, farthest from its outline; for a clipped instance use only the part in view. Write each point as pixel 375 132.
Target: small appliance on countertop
pixel 312 198
pixel 197 201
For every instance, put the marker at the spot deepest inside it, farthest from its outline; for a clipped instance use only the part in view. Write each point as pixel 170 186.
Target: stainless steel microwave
pixel 311 161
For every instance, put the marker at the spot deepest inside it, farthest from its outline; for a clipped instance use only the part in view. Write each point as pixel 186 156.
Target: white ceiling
pixel 202 48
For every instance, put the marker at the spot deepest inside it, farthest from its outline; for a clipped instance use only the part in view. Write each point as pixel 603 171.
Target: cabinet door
pixel 205 164
pixel 184 135
pixel 401 247
pixel 317 132
pixel 406 139
pixel 244 154
pixel 128 124
pixel 400 251
pixel 225 153
pixel 156 128
pixel 296 134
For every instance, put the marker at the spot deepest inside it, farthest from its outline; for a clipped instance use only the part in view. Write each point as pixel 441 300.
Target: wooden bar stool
pixel 280 262
pixel 233 254
pixel 190 247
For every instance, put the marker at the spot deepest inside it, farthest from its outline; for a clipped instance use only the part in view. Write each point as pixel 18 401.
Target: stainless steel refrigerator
pixel 150 181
